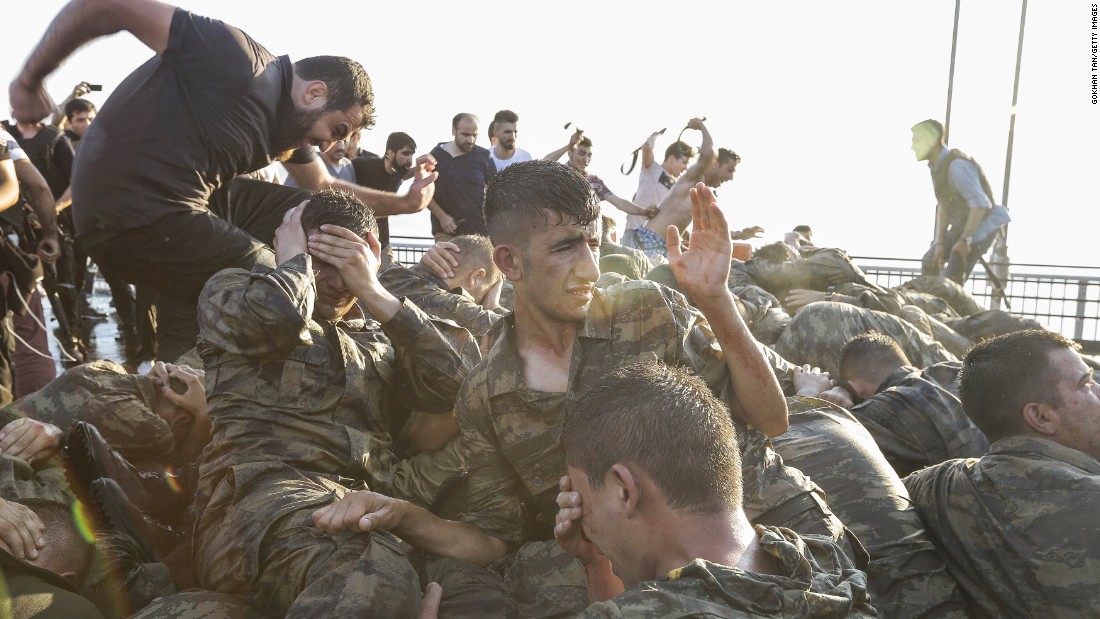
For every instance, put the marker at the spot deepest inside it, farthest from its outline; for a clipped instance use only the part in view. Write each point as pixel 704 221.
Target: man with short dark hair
pixel 464 171
pixel 967 219
pixel 504 132
pixel 1017 526
pixel 79 114
pixel 652 506
pixel 302 394
pixel 142 186
pixel 386 174
pixel 914 421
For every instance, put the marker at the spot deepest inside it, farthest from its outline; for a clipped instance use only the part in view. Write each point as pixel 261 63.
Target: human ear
pixel 626 488
pixel 510 261
pixel 1040 417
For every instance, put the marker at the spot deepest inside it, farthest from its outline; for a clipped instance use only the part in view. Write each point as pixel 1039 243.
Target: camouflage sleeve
pixel 258 313
pixel 433 357
pixel 461 309
pixel 611 610
pixel 697 346
pixel 493 496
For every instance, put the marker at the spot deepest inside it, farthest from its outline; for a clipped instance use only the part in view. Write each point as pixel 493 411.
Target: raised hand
pixel 703 270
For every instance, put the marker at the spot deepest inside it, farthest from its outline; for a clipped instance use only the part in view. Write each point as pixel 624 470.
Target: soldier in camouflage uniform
pixel 1017 526
pixel 142 417
pixel 659 499
pixel 300 385
pixel 906 575
pixel 468 295
pixel 915 422
pixel 818 331
pixel 511 407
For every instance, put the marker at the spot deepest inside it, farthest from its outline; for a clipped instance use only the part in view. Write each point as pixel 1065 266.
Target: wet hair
pixel 533 192
pixel 932 125
pixel 666 422
pixel 348 83
pixel 679 149
pixel 399 140
pixel 337 207
pixel 78 106
pixel 1003 374
pixel 461 116
pixel 870 356
pixel 476 253
pixel 726 155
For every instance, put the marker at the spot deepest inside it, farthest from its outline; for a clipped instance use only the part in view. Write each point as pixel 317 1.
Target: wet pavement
pixel 102 337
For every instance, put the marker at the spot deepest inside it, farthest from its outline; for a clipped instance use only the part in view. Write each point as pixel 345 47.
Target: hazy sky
pixel 817 97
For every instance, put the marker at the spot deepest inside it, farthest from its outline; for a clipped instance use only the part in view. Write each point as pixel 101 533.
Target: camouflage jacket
pixel 1017 527
pixel 817 580
pixel 511 430
pixel 118 404
pixel 916 423
pixel 428 291
pixel 315 396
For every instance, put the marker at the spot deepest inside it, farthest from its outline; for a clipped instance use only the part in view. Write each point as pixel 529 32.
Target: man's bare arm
pixel 369 511
pixel 9 185
pixel 315 176
pixel 573 141
pixel 80 22
pixel 41 201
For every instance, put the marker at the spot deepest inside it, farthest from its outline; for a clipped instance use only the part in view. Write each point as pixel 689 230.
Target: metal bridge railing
pixel 1065 299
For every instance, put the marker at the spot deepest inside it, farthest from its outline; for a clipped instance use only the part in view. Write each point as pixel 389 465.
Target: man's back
pixel 178 127
pixel 816 580
pixel 917 423
pixel 1017 527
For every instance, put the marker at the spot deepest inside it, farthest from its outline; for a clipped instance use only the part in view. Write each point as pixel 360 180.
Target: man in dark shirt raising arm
pixel 142 186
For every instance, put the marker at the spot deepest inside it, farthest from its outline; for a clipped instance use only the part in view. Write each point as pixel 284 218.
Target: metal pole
pixel 1000 250
pixel 951 74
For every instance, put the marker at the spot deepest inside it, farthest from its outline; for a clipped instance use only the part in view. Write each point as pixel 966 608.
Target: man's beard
pixel 291 125
pixel 508 144
pixel 402 169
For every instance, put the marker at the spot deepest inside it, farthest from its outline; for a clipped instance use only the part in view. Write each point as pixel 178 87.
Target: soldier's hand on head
pixel 290 237
pixel 810 381
pixel 838 395
pixel 440 258
pixel 193 400
pixel 798 298
pixel 30 440
pixel 703 270
pixel 567 525
pixel 354 257
pixel 21 530
pixel 360 511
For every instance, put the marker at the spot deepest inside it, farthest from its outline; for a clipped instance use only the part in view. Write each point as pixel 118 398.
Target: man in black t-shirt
pixel 386 174
pixel 141 185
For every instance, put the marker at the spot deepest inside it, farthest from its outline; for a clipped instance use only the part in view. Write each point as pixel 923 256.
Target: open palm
pixel 704 268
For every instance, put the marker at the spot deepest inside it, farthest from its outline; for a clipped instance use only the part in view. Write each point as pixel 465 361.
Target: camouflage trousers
pixel 256 539
pixel 542 581
pixel 819 330
pixel 906 574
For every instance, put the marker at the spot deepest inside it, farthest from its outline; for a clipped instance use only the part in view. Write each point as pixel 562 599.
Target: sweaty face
pixel 506 134
pixel 924 141
pixel 80 121
pixel 580 157
pixel 1079 406
pixel 465 134
pixel 560 268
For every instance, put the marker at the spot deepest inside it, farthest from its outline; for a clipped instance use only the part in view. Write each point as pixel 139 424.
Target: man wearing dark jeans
pixel 141 186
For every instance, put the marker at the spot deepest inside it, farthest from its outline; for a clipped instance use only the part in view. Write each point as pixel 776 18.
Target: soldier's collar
pixel 597 322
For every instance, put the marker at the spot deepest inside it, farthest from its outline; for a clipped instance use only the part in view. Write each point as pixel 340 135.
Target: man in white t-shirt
pixel 503 133
pixel 655 181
